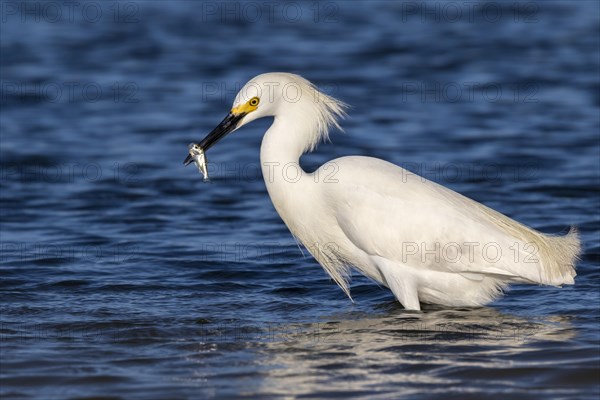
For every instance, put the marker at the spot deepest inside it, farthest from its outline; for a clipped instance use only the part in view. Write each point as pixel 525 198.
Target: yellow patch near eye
pixel 247 107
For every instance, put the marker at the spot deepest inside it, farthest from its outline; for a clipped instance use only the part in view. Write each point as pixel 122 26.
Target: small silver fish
pixel 199 158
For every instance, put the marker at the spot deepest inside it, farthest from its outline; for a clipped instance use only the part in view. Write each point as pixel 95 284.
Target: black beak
pixel 226 126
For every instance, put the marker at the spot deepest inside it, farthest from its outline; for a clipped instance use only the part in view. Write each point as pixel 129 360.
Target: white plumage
pixel 423 241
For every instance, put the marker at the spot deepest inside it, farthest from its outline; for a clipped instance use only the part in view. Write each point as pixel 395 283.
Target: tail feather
pixel 557 255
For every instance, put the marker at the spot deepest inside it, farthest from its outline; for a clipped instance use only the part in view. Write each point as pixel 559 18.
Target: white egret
pixel 426 243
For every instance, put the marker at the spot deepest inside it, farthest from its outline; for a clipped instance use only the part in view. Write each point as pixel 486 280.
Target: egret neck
pixel 282 146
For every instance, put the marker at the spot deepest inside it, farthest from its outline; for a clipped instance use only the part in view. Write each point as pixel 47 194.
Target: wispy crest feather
pixel 321 111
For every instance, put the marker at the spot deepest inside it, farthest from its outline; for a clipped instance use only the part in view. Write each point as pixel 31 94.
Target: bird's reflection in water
pixel 398 352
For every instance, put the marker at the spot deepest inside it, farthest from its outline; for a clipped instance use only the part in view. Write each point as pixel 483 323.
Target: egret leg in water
pixel 426 243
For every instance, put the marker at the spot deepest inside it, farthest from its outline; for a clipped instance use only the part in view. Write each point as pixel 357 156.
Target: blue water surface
pixel 124 276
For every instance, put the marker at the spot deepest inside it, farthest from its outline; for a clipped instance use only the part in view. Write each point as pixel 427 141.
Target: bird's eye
pixel 254 101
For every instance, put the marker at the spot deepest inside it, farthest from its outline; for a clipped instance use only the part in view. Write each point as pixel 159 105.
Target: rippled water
pixel 125 276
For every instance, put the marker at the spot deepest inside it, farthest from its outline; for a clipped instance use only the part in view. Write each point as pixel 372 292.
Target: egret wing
pixel 391 213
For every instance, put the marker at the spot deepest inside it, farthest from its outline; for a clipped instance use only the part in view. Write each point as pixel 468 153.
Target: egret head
pixel 285 95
